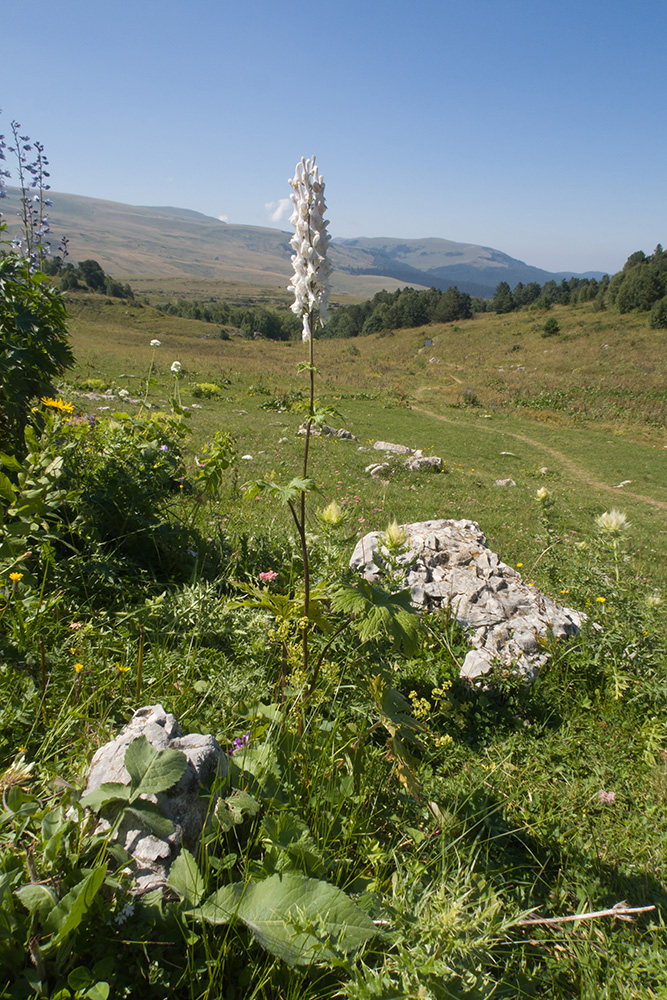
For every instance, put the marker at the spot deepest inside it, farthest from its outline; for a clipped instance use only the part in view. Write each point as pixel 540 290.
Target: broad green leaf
pixel 301 920
pixel 10 462
pixel 7 488
pixel 72 908
pixel 148 814
pixel 152 770
pixel 186 879
pixel 109 791
pixel 37 898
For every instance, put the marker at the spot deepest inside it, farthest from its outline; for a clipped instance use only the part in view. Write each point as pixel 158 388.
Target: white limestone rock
pixel 449 564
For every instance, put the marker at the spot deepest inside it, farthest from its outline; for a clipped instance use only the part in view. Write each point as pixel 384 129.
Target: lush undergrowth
pixel 438 816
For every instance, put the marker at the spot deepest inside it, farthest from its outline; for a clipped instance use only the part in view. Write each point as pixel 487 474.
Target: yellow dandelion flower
pixel 15 577
pixel 78 667
pixel 601 600
pixel 121 669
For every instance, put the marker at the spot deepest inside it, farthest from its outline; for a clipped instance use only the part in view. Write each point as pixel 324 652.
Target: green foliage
pixel 300 920
pixel 551 328
pixel 641 283
pixel 397 310
pixel 34 344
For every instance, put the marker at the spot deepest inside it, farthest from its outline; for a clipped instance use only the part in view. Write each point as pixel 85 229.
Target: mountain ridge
pixel 136 240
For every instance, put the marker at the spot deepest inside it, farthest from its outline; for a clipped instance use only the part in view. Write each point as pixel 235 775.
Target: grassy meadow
pixel 419 822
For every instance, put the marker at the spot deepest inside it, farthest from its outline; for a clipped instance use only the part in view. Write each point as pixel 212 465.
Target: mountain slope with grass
pixel 130 240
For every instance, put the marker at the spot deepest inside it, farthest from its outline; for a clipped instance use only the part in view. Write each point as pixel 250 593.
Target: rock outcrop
pixel 182 804
pixel 449 564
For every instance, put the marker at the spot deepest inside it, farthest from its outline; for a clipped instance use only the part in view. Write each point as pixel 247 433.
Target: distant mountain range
pixel 129 241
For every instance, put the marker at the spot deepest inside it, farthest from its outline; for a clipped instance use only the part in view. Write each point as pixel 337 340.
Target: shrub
pixel 658 317
pixel 551 327
pixel 34 344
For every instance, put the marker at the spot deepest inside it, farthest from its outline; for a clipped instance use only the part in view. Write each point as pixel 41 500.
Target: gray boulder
pixel 182 804
pixel 449 564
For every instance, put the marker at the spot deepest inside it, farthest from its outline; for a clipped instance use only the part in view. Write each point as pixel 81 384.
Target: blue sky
pixel 534 127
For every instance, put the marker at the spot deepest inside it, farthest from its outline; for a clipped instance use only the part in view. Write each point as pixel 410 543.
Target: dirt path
pixel 574 469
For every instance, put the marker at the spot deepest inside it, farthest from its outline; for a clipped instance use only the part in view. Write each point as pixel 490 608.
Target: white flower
pixel 542 494
pixel 176 367
pixel 18 773
pixel 612 522
pixel 123 393
pixel 310 243
pixel 156 343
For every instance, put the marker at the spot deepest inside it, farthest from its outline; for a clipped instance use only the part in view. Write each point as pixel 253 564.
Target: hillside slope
pixel 130 240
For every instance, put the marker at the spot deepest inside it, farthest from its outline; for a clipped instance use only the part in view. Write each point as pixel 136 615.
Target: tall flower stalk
pixel 310 285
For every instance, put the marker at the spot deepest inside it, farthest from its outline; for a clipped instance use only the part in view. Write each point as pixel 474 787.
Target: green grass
pixel 448 842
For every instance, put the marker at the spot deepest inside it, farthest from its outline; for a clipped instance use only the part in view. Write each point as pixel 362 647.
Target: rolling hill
pixel 130 240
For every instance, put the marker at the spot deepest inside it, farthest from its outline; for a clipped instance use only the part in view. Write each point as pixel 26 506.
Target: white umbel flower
pixel 310 243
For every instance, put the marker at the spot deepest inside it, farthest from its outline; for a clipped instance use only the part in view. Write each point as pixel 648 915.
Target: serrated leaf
pixel 186 879
pixel 152 770
pixel 301 920
pixel 378 612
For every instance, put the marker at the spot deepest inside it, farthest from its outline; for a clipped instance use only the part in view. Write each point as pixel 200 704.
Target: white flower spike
pixel 310 243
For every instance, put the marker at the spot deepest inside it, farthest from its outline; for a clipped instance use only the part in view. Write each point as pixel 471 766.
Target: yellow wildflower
pixel 78 667
pixel 57 404
pixel 15 577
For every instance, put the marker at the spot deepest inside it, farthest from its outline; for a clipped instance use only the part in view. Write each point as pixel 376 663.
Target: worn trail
pixel 571 466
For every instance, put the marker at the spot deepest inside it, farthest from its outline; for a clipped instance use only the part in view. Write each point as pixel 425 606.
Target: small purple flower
pixel 607 797
pixel 164 447
pixel 239 743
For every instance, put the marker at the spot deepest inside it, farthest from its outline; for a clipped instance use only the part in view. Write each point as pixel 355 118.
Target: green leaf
pixel 378 612
pixel 290 492
pixel 10 462
pixel 301 920
pixel 37 898
pixel 148 814
pixel 7 488
pixel 186 879
pixel 109 791
pixel 72 908
pixel 152 770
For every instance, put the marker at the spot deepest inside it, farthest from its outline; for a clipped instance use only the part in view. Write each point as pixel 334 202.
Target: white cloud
pixel 277 210
pixel 223 218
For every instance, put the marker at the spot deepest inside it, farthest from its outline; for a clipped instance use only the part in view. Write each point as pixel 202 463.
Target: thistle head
pixel 394 536
pixel 613 522
pixel 332 514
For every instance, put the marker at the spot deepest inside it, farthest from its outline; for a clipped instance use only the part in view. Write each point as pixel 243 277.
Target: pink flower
pixel 606 796
pixel 268 576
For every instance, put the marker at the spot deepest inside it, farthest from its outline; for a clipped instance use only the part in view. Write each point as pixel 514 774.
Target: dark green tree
pixel 502 301
pixel 93 275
